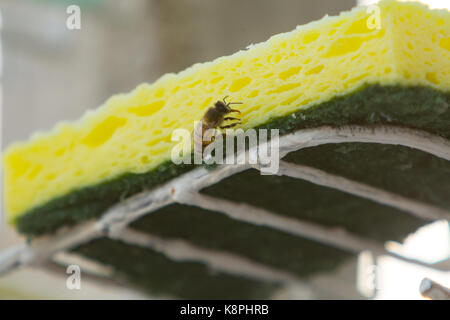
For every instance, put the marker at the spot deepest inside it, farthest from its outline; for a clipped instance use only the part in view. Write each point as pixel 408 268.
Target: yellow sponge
pixel 291 71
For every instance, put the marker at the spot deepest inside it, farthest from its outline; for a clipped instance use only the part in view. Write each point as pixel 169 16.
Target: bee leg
pixel 207 143
pixel 231 118
pixel 211 140
pixel 231 125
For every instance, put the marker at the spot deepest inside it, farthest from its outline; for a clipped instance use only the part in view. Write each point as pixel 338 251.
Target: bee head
pixel 222 107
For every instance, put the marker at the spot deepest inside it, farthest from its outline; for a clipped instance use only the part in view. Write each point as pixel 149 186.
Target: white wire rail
pixel 185 190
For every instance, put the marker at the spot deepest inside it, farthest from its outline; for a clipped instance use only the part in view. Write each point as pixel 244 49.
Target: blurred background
pixel 51 73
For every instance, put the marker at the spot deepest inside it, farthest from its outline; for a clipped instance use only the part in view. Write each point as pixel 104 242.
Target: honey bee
pixel 213 119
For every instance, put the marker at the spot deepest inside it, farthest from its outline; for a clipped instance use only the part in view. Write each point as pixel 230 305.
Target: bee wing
pixel 198 129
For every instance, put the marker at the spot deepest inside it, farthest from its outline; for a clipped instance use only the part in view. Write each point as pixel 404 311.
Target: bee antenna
pixel 224 98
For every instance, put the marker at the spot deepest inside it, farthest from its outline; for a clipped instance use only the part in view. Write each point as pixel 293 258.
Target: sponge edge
pixel 131 133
